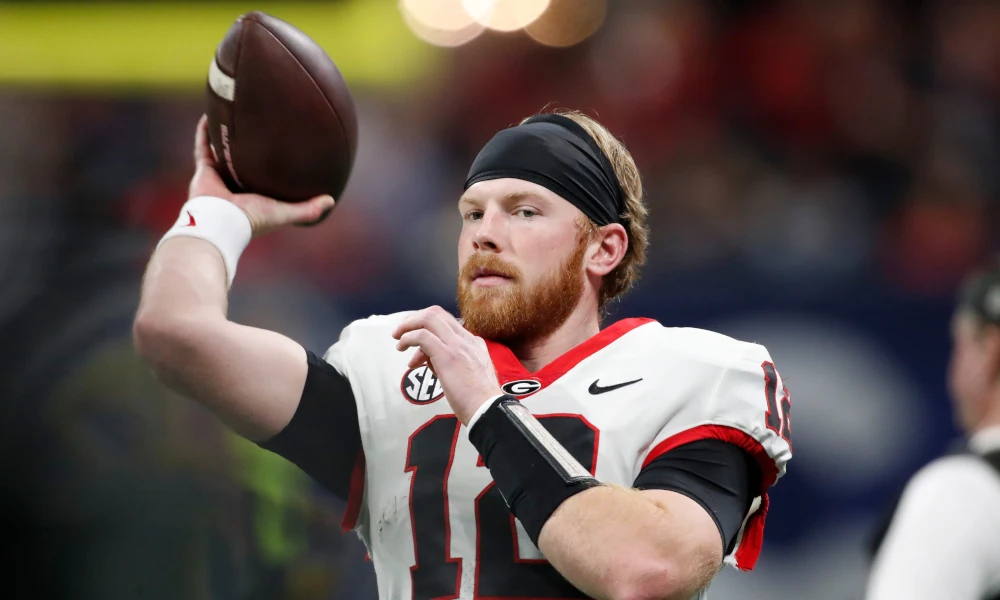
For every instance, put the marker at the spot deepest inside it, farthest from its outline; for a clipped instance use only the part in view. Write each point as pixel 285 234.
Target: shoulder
pixel 952 498
pixel 374 329
pixel 376 322
pixel 958 481
pixel 730 391
pixel 953 494
pixel 951 503
pixel 364 337
pixel 708 346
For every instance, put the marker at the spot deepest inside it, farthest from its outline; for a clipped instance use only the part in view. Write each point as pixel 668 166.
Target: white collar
pixel 985 440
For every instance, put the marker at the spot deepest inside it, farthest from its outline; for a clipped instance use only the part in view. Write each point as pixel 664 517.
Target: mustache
pixel 492 263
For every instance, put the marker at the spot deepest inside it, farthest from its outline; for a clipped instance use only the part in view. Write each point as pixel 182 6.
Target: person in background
pixel 943 540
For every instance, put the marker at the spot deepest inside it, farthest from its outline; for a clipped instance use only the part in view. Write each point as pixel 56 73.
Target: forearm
pixel 183 299
pixel 184 292
pixel 185 278
pixel 613 542
pixel 250 377
pixel 181 306
pixel 608 541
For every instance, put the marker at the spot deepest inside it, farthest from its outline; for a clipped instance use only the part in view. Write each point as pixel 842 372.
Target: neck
pixel 582 325
pixel 990 418
pixel 991 421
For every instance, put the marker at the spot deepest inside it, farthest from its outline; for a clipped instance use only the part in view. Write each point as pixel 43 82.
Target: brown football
pixel 281 120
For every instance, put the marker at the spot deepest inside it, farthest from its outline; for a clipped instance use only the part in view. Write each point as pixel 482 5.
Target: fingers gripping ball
pixel 282 122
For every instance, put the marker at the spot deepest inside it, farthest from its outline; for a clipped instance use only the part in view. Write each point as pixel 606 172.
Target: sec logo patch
pixel 421 386
pixel 522 387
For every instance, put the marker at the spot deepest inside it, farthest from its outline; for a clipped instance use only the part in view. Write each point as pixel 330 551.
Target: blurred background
pixel 820 175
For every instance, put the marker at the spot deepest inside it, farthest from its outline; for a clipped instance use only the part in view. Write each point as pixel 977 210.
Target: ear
pixel 607 250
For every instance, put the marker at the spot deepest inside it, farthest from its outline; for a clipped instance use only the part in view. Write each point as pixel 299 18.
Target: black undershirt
pixel 323 439
pixel 719 476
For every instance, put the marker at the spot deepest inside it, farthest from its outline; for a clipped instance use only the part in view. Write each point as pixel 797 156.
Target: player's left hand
pixel 459 359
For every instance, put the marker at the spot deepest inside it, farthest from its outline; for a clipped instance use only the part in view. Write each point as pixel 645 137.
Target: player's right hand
pixel 265 213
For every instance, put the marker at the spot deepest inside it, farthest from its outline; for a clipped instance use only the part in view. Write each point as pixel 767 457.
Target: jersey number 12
pixel 499 571
pixel 778 421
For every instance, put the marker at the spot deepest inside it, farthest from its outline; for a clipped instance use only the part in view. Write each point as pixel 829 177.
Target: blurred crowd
pixel 820 175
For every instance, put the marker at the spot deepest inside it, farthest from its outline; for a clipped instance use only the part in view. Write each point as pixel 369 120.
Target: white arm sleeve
pixel 944 540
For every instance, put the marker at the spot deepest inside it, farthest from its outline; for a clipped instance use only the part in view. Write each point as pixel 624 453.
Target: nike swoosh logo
pixel 597 389
pixel 191 222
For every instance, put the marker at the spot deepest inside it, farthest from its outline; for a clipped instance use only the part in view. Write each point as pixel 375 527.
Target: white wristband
pixel 482 410
pixel 218 222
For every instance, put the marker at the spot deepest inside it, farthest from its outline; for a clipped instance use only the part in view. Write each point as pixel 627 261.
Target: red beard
pixel 512 314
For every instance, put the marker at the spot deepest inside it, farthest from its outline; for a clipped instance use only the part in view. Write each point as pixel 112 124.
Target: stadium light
pixel 505 15
pixel 557 23
pixel 440 22
pixel 568 22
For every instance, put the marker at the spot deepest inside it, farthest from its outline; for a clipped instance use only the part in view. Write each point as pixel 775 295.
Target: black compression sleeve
pixel 720 476
pixel 534 473
pixel 323 438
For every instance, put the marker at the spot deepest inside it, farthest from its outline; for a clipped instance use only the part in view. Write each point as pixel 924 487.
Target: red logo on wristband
pixel 191 222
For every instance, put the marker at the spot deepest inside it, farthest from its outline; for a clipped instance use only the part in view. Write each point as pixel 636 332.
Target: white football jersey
pixel 425 505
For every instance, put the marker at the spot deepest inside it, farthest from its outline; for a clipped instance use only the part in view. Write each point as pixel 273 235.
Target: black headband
pixel 555 152
pixel 981 294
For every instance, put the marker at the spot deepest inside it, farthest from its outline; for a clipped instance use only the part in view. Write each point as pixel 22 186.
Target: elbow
pixel 655 580
pixel 162 340
pixel 148 333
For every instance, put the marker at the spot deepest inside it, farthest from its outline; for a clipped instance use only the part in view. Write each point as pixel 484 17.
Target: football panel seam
pixel 234 111
pixel 222 163
pixel 333 109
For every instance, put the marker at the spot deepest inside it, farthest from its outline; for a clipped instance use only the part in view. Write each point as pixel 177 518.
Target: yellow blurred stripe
pixel 163 44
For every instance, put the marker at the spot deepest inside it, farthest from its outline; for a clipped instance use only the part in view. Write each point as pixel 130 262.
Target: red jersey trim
pixel 508 368
pixel 356 493
pixel 748 550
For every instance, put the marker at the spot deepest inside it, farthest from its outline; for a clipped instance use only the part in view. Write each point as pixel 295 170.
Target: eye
pixel 473 215
pixel 526 212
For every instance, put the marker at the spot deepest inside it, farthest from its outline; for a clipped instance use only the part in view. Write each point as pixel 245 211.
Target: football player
pixel 942 539
pixel 521 451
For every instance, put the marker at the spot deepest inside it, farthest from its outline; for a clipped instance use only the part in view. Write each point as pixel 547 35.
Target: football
pixel 281 119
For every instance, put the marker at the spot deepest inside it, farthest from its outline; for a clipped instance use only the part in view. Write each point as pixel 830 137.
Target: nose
pixel 489 231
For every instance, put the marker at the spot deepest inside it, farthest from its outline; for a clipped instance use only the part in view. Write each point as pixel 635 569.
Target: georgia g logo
pixel 522 387
pixel 421 386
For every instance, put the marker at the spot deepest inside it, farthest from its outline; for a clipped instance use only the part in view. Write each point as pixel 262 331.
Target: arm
pixel 670 537
pixel 938 543
pixel 251 378
pixel 613 542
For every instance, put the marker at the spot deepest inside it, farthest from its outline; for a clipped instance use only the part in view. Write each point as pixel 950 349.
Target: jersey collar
pixel 986 440
pixel 509 368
